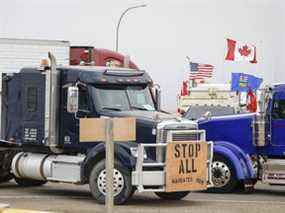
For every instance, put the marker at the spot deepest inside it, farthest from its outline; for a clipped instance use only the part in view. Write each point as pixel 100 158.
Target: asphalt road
pixel 77 199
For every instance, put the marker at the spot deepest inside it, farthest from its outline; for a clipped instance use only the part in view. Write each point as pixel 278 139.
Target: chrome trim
pixel 155 179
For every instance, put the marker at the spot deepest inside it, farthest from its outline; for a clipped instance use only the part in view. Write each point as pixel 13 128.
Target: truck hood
pixel 148 121
pixel 234 117
pixel 236 129
pixel 141 115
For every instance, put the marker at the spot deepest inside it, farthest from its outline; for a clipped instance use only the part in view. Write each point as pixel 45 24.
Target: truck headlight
pixel 134 152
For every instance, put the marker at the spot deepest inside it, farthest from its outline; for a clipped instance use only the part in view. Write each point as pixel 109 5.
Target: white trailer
pixel 18 53
pixel 209 95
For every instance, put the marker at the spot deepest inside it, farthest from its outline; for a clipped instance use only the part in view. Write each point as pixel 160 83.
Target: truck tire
pixel 223 175
pixel 29 182
pixel 172 195
pixel 123 189
pixel 5 178
pixel 5 165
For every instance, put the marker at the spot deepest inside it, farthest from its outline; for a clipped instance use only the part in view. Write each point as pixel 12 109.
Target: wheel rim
pixel 118 182
pixel 221 173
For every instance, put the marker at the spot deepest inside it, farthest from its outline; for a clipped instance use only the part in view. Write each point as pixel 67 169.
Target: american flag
pixel 200 71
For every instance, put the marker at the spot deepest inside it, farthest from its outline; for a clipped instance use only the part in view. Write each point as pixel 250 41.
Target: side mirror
pixel 264 98
pixel 72 99
pixel 243 99
pixel 157 92
pixel 207 115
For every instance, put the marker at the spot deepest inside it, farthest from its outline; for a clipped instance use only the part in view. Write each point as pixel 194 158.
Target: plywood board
pixel 93 129
pixel 186 166
pixel 124 129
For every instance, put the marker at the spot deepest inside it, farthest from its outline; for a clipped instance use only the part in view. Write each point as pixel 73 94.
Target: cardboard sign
pixel 186 166
pixel 93 129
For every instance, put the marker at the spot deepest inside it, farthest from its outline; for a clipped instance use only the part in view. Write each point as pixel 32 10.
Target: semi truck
pixel 215 98
pixel 40 129
pixel 18 53
pixel 89 55
pixel 249 147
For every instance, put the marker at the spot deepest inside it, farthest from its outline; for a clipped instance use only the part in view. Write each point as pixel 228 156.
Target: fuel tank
pixel 64 168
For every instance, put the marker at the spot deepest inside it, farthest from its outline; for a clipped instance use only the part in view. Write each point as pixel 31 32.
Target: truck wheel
pixel 223 175
pixel 6 178
pixel 122 183
pixel 172 195
pixel 5 167
pixel 29 182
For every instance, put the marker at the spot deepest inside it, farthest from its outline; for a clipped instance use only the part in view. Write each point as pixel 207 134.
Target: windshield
pixel 122 98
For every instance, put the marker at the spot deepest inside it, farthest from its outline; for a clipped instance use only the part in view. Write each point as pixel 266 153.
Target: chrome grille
pixel 168 135
pixel 185 136
pixel 181 135
pixel 164 136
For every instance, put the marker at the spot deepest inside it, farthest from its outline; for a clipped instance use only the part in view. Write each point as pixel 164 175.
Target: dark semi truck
pixel 40 119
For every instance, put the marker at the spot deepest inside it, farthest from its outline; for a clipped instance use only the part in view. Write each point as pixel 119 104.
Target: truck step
pixel 154 164
pixel 274 172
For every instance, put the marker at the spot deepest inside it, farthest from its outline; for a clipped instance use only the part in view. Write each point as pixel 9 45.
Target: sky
pixel 160 36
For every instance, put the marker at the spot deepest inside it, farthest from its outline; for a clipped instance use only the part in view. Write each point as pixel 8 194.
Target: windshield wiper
pixel 139 108
pixel 111 108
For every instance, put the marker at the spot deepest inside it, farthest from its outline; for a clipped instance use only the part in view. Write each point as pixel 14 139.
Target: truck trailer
pixel 249 147
pixel 14 55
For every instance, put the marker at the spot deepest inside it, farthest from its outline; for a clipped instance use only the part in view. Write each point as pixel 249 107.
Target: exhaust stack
pixel 51 106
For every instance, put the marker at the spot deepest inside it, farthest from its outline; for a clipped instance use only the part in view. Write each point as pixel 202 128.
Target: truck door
pixel 278 119
pixel 70 121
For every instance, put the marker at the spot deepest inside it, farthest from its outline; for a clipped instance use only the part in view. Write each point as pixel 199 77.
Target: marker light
pixel 44 63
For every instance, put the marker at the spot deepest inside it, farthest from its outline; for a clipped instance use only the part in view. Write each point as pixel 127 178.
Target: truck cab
pixel 249 147
pixel 43 112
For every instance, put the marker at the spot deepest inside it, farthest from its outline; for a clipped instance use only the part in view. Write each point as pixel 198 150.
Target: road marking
pixel 41 197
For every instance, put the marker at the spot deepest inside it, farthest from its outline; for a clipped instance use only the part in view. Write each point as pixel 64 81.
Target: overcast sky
pixel 159 37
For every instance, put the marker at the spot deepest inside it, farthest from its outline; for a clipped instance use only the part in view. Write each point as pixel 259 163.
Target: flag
pixel 184 89
pixel 244 82
pixel 200 71
pixel 252 101
pixel 238 51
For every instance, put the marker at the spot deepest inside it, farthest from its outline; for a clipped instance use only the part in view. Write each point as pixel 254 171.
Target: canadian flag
pixel 238 51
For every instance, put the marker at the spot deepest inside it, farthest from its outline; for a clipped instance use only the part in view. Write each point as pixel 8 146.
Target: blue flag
pixel 244 82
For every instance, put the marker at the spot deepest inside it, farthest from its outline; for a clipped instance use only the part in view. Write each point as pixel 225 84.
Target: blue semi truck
pixel 249 147
pixel 41 138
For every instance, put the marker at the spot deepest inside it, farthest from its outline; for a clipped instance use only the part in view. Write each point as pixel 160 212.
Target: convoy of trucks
pixel 40 120
pixel 40 139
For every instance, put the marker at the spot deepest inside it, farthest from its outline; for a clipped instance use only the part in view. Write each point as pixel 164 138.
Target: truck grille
pixel 185 136
pixel 177 135
pixel 182 136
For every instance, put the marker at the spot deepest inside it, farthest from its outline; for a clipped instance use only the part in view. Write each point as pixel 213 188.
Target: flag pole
pixel 191 82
